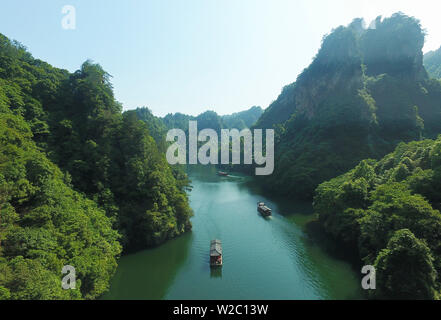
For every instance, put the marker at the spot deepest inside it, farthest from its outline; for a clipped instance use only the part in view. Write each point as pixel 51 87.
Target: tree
pixel 405 270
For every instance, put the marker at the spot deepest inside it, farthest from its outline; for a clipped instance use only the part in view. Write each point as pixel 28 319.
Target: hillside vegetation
pixel 389 212
pixel 79 179
pixel 365 92
pixel 432 63
pixel 158 127
pixel 211 120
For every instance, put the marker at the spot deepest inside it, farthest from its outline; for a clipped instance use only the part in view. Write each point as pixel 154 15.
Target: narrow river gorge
pixel 264 258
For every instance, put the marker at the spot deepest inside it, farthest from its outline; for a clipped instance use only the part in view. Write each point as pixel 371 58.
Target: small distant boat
pixel 263 209
pixel 222 173
pixel 216 253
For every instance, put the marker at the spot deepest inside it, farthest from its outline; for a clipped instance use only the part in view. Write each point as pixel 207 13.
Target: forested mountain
pixel 158 127
pixel 79 180
pixel 432 62
pixel 365 91
pixel 243 119
pixel 207 119
pixel 44 223
pixel 389 211
pixel 155 125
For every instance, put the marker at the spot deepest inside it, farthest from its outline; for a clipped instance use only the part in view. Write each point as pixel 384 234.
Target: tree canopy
pixel 80 181
pixel 388 210
pixel 365 92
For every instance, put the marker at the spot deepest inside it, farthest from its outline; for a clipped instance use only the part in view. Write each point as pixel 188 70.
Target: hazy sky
pixel 192 55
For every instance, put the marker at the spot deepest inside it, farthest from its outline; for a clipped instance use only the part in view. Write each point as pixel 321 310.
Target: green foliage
pixel 112 158
pixel 394 47
pixel 156 126
pixel 365 92
pixel 146 183
pixel 44 225
pixel 207 120
pixel 432 63
pixel 211 120
pixel 280 110
pixel 243 119
pixel 4 293
pixel 405 269
pixel 370 205
pixel 73 171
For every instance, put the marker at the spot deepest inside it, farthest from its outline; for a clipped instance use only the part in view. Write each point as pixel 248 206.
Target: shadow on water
pixel 301 213
pixel 216 272
pixel 285 206
pixel 346 263
pixel 280 257
pixel 144 275
pixel 203 173
pixel 336 264
pixel 318 236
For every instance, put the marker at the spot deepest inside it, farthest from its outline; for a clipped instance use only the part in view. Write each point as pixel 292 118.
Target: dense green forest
pixel 158 127
pixel 80 181
pixel 207 119
pixel 388 211
pixel 365 91
pixel 366 94
pixel 44 223
pixel 432 63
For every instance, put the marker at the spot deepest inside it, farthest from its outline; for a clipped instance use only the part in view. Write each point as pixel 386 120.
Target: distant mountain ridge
pixel 432 62
pixel 242 119
pixel 208 119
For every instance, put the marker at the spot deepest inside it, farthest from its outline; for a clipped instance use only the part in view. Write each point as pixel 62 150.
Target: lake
pixel 264 258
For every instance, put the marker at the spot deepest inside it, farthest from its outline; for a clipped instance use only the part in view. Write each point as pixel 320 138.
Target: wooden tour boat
pixel 263 209
pixel 216 253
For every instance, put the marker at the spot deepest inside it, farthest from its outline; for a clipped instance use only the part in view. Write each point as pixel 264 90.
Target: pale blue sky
pixel 192 55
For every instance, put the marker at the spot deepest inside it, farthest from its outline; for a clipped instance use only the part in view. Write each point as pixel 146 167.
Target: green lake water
pixel 264 258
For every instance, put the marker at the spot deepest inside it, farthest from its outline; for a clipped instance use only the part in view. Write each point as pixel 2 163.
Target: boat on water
pixel 216 253
pixel 263 209
pixel 222 173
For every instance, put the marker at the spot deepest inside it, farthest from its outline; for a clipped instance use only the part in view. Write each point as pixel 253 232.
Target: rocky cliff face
pixel 365 91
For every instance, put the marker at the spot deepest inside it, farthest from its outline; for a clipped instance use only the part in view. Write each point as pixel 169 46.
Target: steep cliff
pixel 365 91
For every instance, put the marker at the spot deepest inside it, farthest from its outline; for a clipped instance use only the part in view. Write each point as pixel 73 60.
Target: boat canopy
pixel 216 248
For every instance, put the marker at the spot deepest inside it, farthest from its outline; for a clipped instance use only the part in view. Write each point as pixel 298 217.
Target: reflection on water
pixel 264 258
pixel 216 272
pixel 148 274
